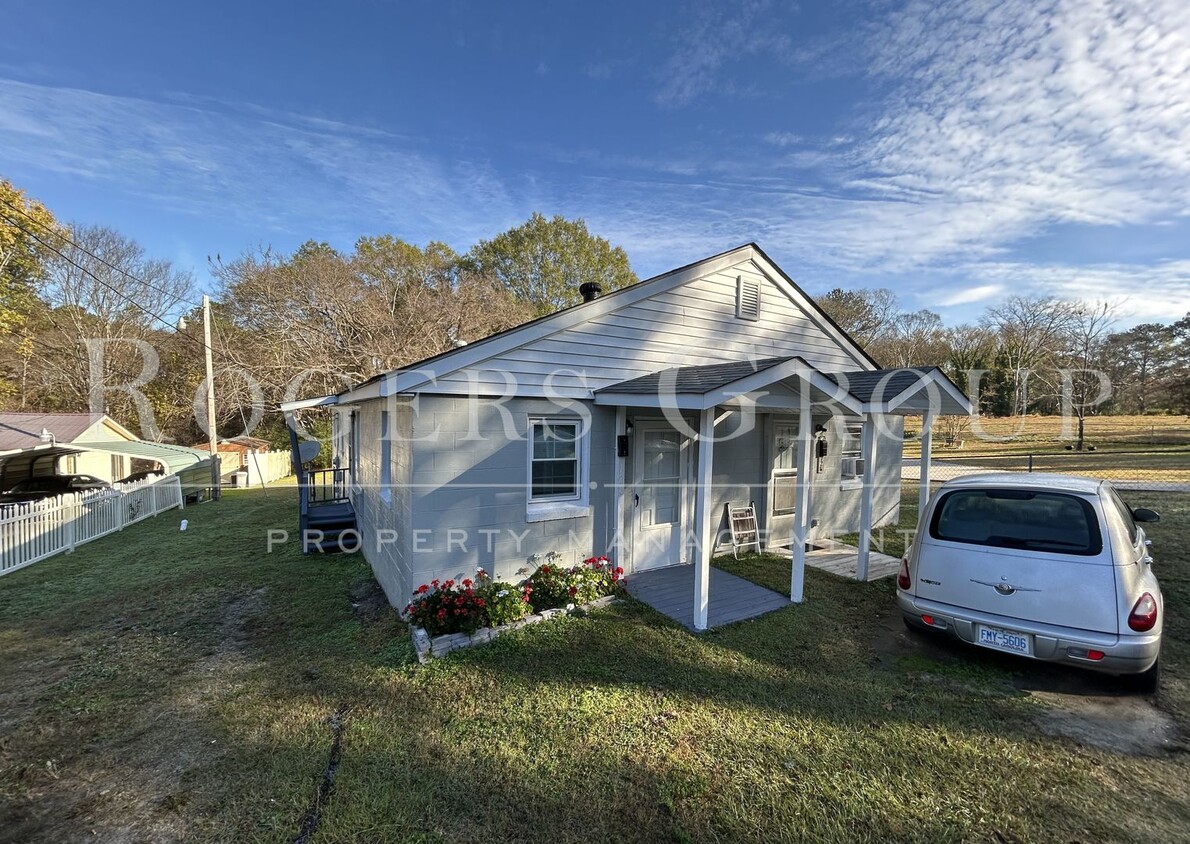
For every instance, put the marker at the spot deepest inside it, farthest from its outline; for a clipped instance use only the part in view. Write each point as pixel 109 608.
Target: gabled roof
pixel 904 390
pixel 415 375
pixel 23 430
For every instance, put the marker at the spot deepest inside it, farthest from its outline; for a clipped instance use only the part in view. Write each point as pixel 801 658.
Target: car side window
pixel 1125 514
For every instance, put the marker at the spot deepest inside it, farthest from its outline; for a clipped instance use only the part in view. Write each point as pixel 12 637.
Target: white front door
pixel 659 496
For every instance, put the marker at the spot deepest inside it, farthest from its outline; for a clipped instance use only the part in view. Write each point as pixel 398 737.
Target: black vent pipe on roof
pixel 590 291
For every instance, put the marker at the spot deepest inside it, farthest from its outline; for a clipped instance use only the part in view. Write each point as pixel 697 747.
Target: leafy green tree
pixel 24 224
pixel 1141 363
pixel 543 262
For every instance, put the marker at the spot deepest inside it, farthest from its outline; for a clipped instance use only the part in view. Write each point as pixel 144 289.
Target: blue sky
pixel 956 152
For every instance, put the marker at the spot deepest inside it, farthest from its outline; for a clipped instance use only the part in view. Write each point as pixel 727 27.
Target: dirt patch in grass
pixel 1091 709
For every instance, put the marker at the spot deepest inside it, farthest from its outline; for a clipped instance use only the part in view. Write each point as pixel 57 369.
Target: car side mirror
pixel 1144 514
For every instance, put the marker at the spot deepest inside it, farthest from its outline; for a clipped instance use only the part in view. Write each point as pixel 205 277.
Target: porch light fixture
pixel 47 437
pixel 628 427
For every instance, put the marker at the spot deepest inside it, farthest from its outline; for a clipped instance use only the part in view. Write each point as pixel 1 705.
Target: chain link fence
pixel 1165 470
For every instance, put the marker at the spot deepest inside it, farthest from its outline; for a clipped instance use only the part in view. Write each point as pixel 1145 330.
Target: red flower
pixel 573 591
pixel 466 583
pixel 434 583
pixel 545 569
pixel 525 598
pixel 441 614
pixel 479 602
pixel 448 584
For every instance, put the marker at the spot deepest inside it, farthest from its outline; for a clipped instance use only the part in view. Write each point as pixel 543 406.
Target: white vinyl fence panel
pixel 39 529
pixel 268 467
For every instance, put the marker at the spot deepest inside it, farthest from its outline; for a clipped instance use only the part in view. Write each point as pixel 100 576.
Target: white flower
pixel 501 593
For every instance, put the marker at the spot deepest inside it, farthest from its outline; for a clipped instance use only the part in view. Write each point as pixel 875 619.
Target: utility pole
pixel 216 490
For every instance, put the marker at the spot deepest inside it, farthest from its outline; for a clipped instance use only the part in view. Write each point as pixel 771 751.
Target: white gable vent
pixel 747 298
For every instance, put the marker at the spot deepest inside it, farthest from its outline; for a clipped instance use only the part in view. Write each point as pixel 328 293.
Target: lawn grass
pixel 1023 434
pixel 162 686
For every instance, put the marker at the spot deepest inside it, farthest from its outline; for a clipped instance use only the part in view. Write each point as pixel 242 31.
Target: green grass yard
pixel 169 686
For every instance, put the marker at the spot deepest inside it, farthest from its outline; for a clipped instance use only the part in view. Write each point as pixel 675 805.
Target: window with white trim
pixel 851 451
pixel 555 460
pixel 386 457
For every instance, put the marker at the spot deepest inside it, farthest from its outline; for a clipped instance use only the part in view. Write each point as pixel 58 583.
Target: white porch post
pixel 702 519
pixel 865 502
pixel 927 443
pixel 801 503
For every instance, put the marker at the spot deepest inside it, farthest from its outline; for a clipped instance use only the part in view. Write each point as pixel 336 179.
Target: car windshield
pixel 1047 522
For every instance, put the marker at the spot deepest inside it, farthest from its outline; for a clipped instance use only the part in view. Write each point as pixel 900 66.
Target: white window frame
pixel 546 508
pixel 386 457
pixel 851 432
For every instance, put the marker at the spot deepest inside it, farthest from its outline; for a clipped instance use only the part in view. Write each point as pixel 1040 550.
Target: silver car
pixel 1049 567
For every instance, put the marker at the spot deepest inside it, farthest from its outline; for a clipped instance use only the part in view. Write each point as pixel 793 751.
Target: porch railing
pixel 325 486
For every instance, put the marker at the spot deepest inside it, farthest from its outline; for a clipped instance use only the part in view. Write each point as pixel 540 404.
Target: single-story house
pixel 626 425
pixel 234 451
pixel 35 444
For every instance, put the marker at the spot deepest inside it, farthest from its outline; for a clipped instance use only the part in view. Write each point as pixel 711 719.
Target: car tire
pixel 1147 682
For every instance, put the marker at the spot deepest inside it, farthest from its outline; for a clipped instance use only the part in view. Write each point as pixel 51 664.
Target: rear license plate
pixel 1004 640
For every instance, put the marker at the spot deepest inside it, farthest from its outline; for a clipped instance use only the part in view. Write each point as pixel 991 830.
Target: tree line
pixel 82 306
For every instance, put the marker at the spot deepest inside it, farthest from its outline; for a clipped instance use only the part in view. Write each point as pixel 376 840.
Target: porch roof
pixel 908 391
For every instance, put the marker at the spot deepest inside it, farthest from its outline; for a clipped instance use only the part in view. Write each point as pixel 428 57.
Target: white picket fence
pixel 39 529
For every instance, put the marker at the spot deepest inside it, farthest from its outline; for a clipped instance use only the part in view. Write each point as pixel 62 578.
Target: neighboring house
pixel 625 425
pixel 33 444
pixel 234 451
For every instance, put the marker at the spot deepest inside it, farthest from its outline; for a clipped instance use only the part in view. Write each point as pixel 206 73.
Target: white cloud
pixel 1159 292
pixel 266 170
pixel 968 296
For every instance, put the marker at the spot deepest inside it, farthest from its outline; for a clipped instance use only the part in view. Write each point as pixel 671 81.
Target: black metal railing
pixel 324 486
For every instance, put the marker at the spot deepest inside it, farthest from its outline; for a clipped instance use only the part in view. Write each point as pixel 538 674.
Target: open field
pixel 169 686
pixel 1035 434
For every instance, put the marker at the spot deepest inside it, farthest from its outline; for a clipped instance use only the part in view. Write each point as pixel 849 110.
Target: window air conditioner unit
pixel 853 467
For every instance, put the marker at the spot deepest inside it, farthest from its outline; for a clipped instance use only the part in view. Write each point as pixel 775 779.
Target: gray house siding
pixel 459 498
pixel 655 334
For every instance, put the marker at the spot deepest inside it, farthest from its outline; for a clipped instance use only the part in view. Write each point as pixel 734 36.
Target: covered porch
pixel 682 456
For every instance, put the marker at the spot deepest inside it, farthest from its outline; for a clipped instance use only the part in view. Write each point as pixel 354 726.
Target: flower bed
pixel 448 615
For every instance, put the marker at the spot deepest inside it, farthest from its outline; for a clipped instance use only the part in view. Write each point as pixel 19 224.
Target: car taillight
pixel 903 581
pixel 1144 614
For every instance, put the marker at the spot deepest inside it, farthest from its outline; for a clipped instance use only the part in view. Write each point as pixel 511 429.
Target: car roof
pixel 1023 480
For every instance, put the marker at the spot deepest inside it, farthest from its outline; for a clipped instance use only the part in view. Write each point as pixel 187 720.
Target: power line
pixel 115 268
pixel 58 234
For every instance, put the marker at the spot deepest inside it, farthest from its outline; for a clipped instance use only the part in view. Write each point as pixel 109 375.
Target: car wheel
pixel 1147 682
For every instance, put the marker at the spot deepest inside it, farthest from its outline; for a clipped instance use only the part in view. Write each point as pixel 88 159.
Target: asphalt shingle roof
pixel 695 380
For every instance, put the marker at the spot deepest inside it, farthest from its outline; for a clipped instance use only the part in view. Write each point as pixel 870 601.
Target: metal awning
pixel 19 464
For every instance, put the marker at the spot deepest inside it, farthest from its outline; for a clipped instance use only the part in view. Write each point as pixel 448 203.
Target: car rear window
pixel 1047 522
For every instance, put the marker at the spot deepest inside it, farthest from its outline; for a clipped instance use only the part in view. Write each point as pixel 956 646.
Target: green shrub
pixel 554 586
pixel 504 602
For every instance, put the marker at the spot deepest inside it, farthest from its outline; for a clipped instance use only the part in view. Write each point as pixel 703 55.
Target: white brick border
pixel 439 646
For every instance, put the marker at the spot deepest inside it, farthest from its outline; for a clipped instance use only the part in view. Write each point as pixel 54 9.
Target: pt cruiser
pixel 1049 567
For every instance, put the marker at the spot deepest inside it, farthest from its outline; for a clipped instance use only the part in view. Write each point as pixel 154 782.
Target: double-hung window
pixel 555 460
pixel 851 454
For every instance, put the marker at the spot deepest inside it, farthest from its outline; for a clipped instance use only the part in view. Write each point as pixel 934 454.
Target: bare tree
pixel 866 315
pixel 1084 384
pixel 1032 331
pixel 106 300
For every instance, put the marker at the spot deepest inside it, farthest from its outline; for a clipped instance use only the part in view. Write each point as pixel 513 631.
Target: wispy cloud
pixel 270 171
pixel 714 36
pixel 967 296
